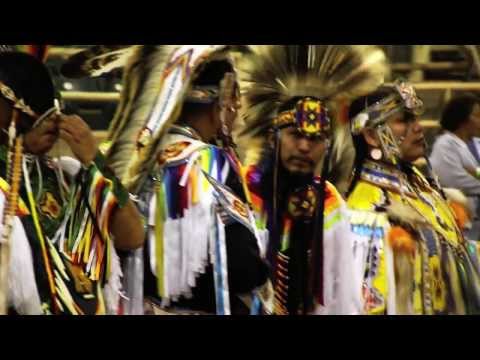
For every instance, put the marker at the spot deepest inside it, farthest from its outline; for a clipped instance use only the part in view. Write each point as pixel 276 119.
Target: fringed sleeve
pixel 182 216
pixel 95 196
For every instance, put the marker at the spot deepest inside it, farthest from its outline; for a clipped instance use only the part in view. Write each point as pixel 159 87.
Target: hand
pixel 79 137
pixel 41 139
pixel 472 171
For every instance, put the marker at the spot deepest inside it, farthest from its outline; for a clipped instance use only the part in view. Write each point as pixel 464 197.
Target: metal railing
pixel 90 96
pixel 447 86
pixel 432 66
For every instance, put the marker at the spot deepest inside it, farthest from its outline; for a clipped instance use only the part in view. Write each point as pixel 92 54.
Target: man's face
pixel 38 141
pixel 409 135
pixel 298 153
pixel 474 121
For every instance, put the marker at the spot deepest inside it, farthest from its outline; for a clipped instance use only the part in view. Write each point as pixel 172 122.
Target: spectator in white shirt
pixel 451 158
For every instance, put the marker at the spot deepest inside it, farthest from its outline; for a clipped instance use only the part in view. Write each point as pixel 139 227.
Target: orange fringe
pixel 400 240
pixel 461 214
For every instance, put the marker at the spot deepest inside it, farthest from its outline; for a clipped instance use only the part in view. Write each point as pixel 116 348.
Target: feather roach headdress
pixel 158 79
pixel 274 75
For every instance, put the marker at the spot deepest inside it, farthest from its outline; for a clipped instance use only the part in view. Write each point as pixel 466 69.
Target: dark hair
pixel 457 111
pixel 361 146
pixel 213 73
pixel 29 79
pixel 210 75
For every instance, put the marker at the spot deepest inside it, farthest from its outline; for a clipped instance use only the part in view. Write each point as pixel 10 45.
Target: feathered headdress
pixel 157 78
pixel 138 63
pixel 97 60
pixel 273 75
